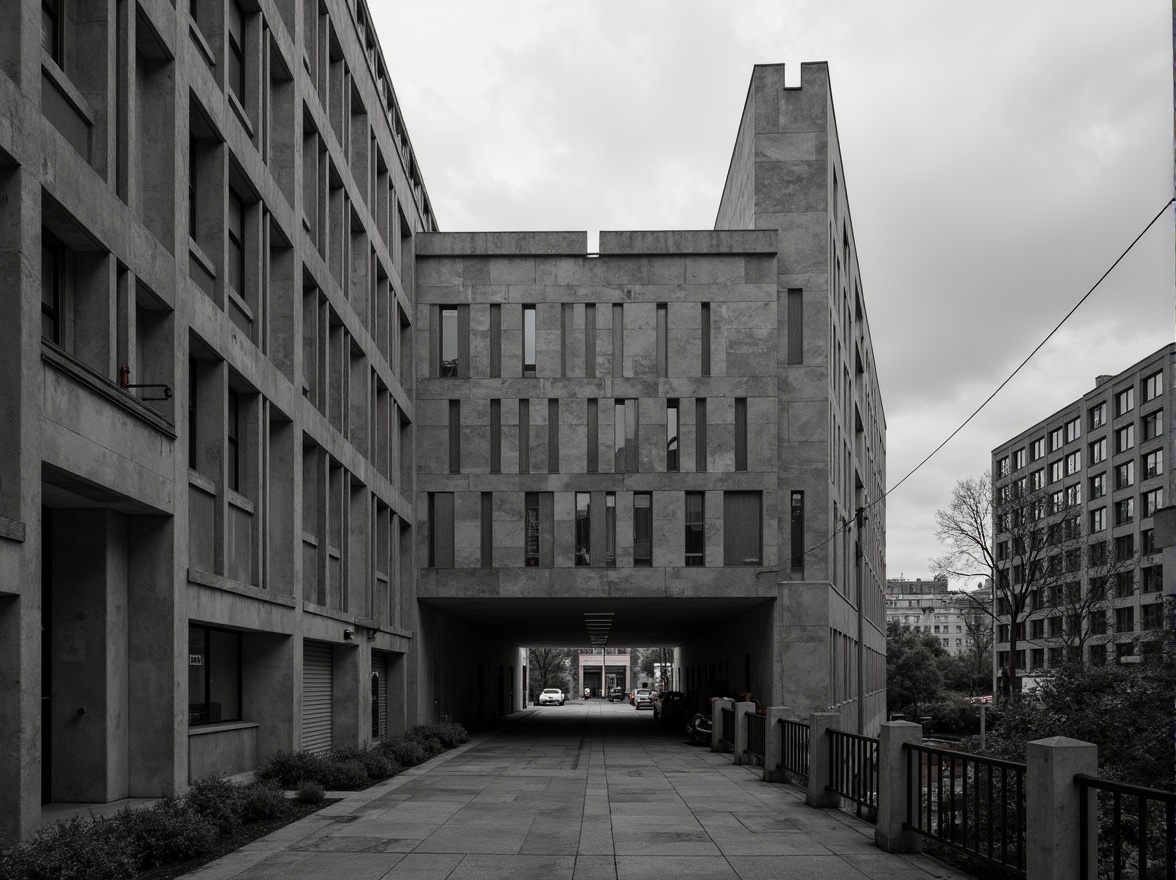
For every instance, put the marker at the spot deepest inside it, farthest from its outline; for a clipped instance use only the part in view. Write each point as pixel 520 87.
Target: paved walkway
pixel 575 792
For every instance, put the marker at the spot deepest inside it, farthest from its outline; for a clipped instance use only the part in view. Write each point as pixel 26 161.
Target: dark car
pixel 671 707
pixel 643 699
pixel 616 695
pixel 698 728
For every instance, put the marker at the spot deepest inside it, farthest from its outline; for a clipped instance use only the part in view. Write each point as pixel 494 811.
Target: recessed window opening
pixel 672 435
pixel 528 340
pixel 449 353
pixel 583 528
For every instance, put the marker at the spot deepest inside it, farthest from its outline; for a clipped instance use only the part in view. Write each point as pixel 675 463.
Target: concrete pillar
pixel 893 780
pixel 741 710
pixel 773 743
pixel 717 721
pixel 1053 832
pixel 350 703
pixel 819 750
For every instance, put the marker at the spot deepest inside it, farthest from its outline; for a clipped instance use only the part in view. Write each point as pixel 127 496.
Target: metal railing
pixel 757 735
pixel 853 768
pixel 969 803
pixel 1136 830
pixel 727 730
pixel 794 747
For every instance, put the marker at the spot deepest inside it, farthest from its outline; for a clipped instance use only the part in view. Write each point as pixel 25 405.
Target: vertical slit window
pixel 441 530
pixel 50 288
pixel 236 255
pixel 610 529
pixel 232 440
pixel 795 325
pixel 495 341
pixel 619 436
pixel 236 73
pixel 524 436
pixel 695 529
pixel 583 528
pixel 566 329
pixel 193 397
pixel 449 357
pixel 590 340
pixel 538 515
pixel 642 529
pixel 705 340
pixel 51 30
pixel 553 436
pixel 495 436
pixel 740 433
pixel 193 147
pixel 487 530
pixel 455 436
pixel 531 529
pixel 592 465
pixel 672 435
pixel 700 435
pixel 528 340
pixel 618 339
pixel 742 528
pixel 631 460
pixel 797 505
pixel 663 340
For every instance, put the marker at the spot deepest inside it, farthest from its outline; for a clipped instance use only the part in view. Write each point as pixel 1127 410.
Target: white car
pixel 552 697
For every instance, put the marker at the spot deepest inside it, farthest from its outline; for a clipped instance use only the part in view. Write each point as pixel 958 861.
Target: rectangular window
pixel 1153 616
pixel 1147 541
pixel 705 341
pixel 453 341
pixel 610 529
pixel 1153 386
pixel 1018 459
pixel 1073 429
pixel 193 410
pixel 1125 620
pixel 51 260
pixel 495 436
pixel 455 436
pixel 1124 511
pixel 593 428
pixel 214 675
pixel 1037 480
pixel 441 530
pixel 1073 463
pixel 695 528
pixel 232 438
pixel 672 435
pixel 1153 425
pixel 1124 401
pixel 590 340
pixel 51 30
pixel 1098 451
pixel 567 327
pixel 1125 438
pixel 583 528
pixel 1098 520
pixel 528 340
pixel 618 339
pixel 553 435
pixel 1038 448
pixel 700 434
pixel 1124 584
pixel 1073 495
pixel 743 528
pixel 1153 579
pixel 235 258
pixel 487 529
pixel 1002 467
pixel 663 340
pixel 1056 501
pixel 740 433
pixel 495 341
pixel 1153 463
pixel 642 528
pixel 524 436
pixel 1056 440
pixel 1153 501
pixel 625 436
pixel 1125 475
pixel 539 514
pixel 1098 415
pixel 795 325
pixel 1056 470
pixel 1098 486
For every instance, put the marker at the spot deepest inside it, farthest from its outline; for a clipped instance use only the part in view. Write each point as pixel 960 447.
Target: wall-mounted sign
pixel 195 659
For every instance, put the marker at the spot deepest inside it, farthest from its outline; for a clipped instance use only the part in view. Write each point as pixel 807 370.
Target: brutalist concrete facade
pixel 225 415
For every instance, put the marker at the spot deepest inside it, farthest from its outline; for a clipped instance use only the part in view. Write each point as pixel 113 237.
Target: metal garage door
pixel 316 697
pixel 379 695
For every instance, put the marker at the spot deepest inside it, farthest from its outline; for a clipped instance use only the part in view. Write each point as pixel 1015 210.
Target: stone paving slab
pixel 593 792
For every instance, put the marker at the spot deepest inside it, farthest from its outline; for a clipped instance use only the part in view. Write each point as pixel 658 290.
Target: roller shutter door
pixel 316 697
pixel 379 696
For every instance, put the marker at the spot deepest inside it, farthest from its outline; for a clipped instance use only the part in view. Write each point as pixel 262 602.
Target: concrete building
pixel 955 619
pixel 1096 472
pixel 285 467
pixel 602 669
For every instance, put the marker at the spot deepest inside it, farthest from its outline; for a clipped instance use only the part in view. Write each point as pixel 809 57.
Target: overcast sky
pixel 998 157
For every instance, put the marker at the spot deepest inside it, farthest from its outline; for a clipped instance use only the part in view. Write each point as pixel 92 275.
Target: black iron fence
pixel 794 747
pixel 969 803
pixel 853 769
pixel 727 731
pixel 757 736
pixel 1136 829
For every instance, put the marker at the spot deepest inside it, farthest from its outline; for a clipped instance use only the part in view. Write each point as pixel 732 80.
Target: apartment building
pixel 1075 499
pixel 284 467
pixel 954 619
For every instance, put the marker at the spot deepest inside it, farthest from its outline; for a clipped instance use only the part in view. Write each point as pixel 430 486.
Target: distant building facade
pixel 1093 475
pixel 602 669
pixel 955 619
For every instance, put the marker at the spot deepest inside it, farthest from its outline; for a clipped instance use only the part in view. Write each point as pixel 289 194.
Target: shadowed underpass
pixel 581 791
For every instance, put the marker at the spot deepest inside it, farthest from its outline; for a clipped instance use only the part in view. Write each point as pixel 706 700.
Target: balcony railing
pixel 1136 829
pixel 853 769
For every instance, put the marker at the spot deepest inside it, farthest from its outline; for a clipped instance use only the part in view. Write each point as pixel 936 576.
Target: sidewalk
pixel 575 792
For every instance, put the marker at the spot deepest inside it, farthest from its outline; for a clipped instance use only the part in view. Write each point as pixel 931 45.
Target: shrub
pixel 448 733
pixel 167 831
pixel 405 752
pixel 310 792
pixel 288 769
pixel 261 800
pixel 74 849
pixel 954 714
pixel 218 800
pixel 343 775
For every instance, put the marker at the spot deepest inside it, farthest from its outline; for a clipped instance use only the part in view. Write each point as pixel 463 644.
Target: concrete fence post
pixel 717 707
pixel 1053 832
pixel 773 744
pixel 818 769
pixel 894 778
pixel 741 710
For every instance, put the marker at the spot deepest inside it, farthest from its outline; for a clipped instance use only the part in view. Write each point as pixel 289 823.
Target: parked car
pixel 552 697
pixel 643 699
pixel 616 695
pixel 698 728
pixel 671 707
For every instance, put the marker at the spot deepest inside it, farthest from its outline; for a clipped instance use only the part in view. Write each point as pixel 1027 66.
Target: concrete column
pixel 1053 834
pixel 893 780
pixel 717 721
pixel 741 710
pixel 350 704
pixel 819 750
pixel 773 742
